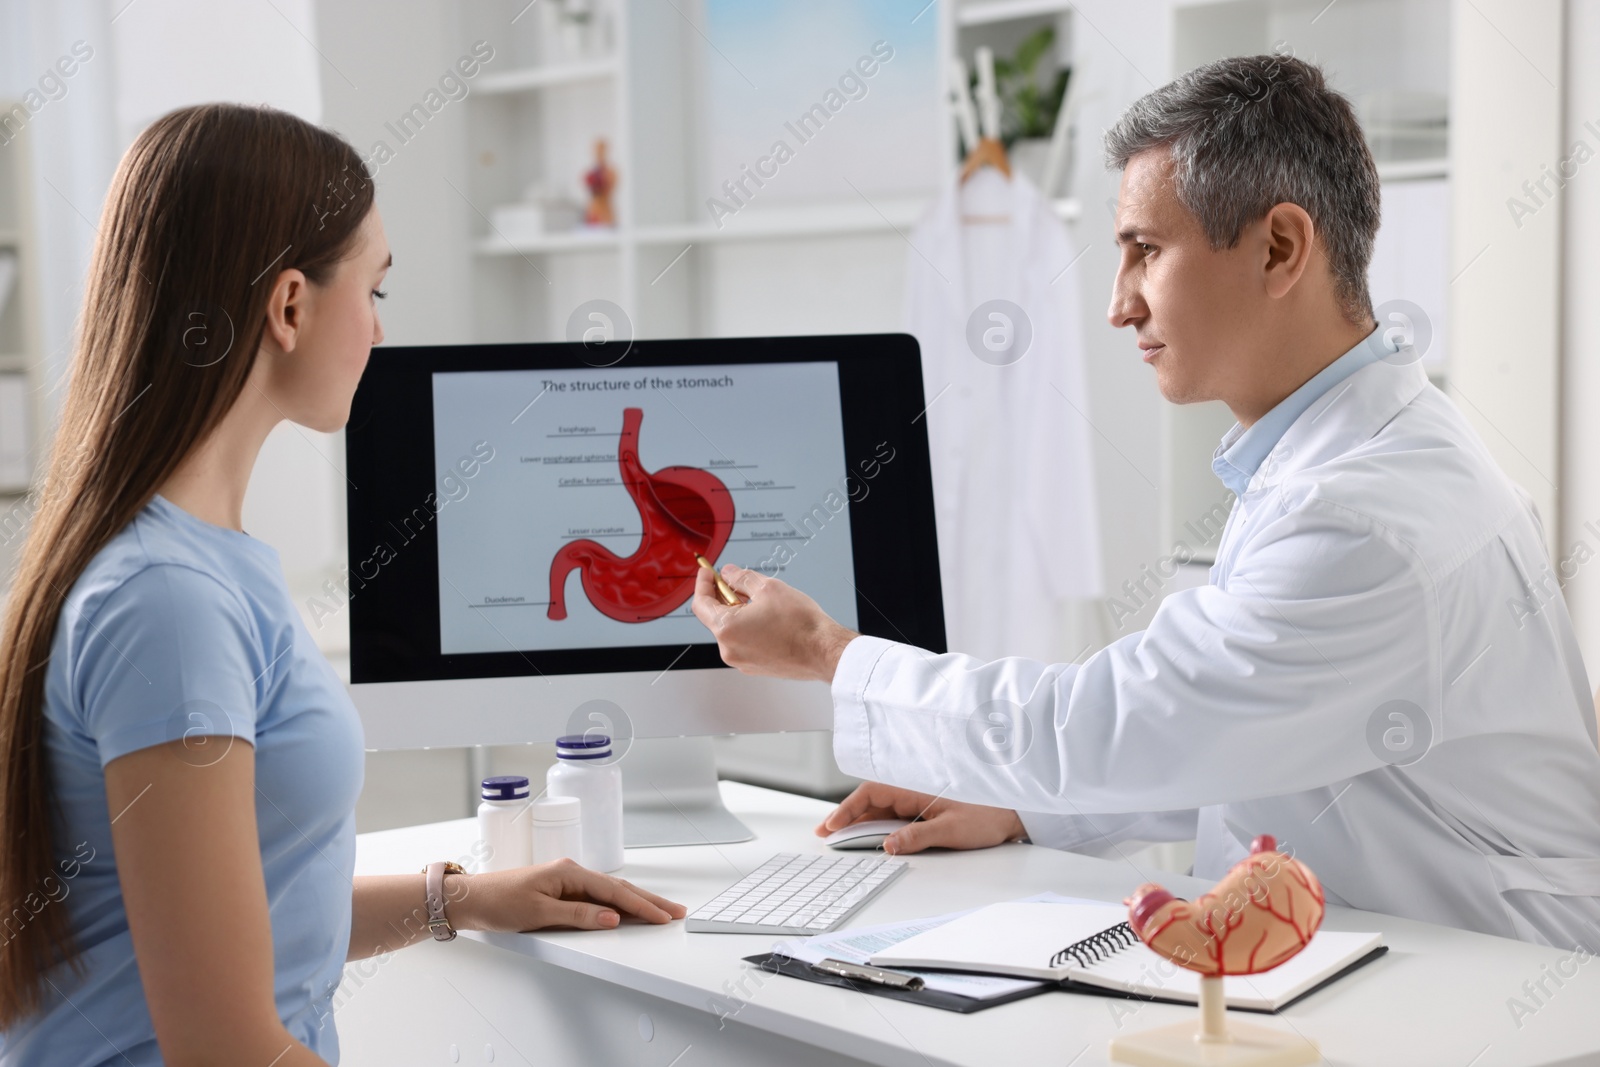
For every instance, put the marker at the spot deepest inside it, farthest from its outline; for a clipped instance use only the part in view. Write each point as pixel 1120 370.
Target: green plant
pixel 1027 108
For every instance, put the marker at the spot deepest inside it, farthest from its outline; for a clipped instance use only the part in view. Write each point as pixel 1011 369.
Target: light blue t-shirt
pixel 182 628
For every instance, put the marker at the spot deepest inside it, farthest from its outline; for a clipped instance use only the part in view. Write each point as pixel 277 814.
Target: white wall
pixel 1505 308
pixel 148 58
pixel 171 53
pixel 1125 54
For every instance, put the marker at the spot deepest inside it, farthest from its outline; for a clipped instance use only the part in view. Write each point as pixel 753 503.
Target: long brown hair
pixel 207 207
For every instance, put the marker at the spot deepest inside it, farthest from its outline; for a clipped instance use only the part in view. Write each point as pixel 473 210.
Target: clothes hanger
pixel 960 101
pixel 987 149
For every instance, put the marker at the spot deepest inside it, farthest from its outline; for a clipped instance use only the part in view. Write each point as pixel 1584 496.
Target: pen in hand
pixel 724 590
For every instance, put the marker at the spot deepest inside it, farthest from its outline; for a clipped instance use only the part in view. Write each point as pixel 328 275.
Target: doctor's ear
pixel 1290 237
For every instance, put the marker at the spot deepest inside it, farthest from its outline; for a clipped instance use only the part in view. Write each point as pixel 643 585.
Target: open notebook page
pixel 1021 939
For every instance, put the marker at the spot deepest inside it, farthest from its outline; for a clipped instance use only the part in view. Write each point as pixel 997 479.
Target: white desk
pixel 652 995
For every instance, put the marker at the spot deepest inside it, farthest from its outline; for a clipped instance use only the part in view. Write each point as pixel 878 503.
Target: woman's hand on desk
pixel 551 894
pixel 941 823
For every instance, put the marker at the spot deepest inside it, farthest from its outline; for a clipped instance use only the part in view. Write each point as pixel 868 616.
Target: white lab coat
pixel 1014 562
pixel 1378 555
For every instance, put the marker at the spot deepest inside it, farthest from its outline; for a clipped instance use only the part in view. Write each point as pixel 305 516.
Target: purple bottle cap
pixel 583 746
pixel 505 787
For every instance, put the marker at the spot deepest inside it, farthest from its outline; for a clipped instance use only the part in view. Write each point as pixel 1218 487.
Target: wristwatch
pixel 442 930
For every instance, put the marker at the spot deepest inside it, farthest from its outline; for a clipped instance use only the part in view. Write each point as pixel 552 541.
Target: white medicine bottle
pixel 503 823
pixel 584 769
pixel 557 829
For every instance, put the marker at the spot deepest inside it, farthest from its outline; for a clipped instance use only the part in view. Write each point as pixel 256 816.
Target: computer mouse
pixel 865 835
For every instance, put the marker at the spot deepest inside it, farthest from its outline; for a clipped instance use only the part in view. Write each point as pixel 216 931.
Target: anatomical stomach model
pixel 1262 913
pixel 684 511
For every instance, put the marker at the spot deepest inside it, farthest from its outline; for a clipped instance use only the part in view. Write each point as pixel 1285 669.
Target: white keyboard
pixel 796 895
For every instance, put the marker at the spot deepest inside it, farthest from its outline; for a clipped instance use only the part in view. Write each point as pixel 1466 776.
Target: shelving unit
pixel 533 122
pixel 1002 25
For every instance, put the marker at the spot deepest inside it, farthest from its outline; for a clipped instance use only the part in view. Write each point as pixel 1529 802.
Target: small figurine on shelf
pixel 600 179
pixel 1262 913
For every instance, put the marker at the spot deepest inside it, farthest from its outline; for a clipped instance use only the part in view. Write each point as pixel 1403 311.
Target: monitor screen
pixel 518 510
pixel 582 530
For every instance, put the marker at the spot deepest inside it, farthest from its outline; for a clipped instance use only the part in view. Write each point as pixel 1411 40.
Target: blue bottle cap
pixel 505 787
pixel 583 746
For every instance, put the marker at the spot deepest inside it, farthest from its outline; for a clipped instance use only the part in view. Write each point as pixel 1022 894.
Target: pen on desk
pixel 729 597
pixel 873 975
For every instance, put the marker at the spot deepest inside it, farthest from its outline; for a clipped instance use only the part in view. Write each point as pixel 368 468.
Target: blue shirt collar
pixel 1242 450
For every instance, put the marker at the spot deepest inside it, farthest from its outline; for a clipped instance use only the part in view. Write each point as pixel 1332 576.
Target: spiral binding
pixel 1092 950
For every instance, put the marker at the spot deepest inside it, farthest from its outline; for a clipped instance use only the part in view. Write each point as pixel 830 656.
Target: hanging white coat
pixel 1013 560
pixel 1382 674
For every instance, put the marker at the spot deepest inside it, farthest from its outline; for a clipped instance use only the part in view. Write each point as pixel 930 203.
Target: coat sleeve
pixel 1103 835
pixel 1268 685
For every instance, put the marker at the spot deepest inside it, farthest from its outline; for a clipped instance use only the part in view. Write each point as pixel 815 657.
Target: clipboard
pixel 773 963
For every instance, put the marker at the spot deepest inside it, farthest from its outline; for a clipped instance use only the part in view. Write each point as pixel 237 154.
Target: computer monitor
pixel 523 522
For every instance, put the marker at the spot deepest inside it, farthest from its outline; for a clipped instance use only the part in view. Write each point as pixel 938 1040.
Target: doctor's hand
pixel 561 893
pixel 777 630
pixel 943 823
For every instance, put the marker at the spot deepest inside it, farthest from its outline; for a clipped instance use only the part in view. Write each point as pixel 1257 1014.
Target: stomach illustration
pixel 684 510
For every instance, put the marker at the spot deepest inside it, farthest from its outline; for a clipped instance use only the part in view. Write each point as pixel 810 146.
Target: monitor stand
pixel 670 795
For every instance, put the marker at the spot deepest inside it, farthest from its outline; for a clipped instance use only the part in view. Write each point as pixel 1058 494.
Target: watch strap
pixel 438 924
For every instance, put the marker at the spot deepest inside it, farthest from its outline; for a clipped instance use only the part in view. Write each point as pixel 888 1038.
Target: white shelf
pixel 13 363
pixel 774 224
pixel 977 14
pixel 530 78
pixel 9 237
pixel 573 241
pixel 1413 169
pixel 802 222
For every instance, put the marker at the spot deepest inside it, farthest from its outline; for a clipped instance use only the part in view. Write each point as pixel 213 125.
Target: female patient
pixel 181 764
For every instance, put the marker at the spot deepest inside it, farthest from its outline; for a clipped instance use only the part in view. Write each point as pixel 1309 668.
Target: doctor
pixel 1379 673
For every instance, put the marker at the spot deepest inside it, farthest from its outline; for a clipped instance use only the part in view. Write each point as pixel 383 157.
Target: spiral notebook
pixel 1092 945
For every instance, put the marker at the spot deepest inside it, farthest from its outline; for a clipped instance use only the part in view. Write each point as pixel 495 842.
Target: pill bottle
pixel 503 823
pixel 584 769
pixel 557 832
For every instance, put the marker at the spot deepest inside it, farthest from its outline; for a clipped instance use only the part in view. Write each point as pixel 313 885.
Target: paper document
pixel 858 944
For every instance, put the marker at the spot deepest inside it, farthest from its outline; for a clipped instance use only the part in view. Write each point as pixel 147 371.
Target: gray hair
pixel 1250 132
